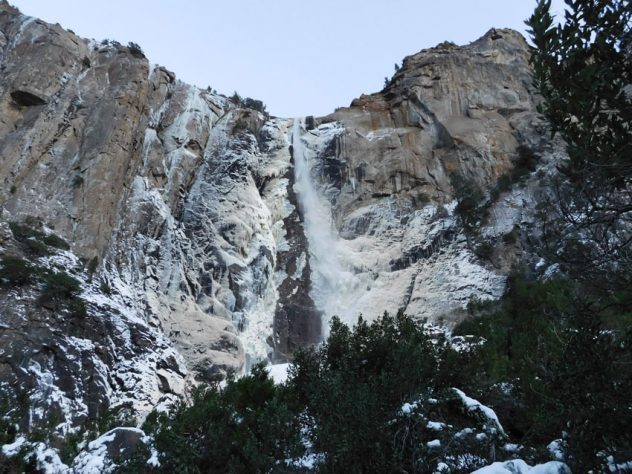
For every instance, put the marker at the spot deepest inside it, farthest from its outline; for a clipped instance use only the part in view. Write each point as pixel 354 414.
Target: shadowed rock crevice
pixel 27 99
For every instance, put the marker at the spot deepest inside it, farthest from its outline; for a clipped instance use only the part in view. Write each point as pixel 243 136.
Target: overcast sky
pixel 299 57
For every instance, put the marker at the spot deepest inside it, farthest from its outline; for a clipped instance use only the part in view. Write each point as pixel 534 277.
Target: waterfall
pixel 334 286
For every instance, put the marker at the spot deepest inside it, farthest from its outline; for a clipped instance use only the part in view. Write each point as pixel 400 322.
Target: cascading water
pixel 334 285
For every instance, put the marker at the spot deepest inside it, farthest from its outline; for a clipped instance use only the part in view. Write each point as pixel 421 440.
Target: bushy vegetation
pixel 13 410
pixel 471 205
pixel 62 291
pixel 525 162
pixel 378 397
pixel 353 386
pixel 59 290
pixel 563 355
pixel 34 240
pixel 583 70
pixel 135 50
pixel 15 271
pixel 246 427
pixel 249 103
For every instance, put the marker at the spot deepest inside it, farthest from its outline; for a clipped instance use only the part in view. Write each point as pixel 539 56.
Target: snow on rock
pixel 48 461
pixel 104 453
pixel 95 460
pixel 278 372
pixel 556 448
pixel 381 254
pixel 435 443
pixel 14 448
pixel 78 366
pixel 518 466
pixel 435 425
pixel 408 408
pixel 473 405
pixel 210 267
pixel 309 461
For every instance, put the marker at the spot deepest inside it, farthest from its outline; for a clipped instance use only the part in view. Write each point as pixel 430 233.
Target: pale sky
pixel 300 58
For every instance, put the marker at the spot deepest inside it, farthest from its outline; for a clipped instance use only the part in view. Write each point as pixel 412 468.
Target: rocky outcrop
pixel 386 165
pixel 448 109
pixel 155 185
pixel 69 346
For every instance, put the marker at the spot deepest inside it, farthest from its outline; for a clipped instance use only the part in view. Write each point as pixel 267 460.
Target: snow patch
pixel 14 448
pixel 278 372
pixel 475 405
pixel 434 444
pixel 518 466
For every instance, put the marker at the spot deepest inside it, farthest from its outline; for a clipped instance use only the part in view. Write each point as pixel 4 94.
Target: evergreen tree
pixel 583 70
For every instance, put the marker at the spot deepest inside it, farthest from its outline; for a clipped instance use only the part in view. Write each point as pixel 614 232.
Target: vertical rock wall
pixel 187 206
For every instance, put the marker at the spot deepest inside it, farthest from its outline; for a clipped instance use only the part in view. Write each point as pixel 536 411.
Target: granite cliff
pixel 186 220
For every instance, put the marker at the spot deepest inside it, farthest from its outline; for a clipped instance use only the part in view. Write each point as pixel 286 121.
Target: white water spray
pixel 334 285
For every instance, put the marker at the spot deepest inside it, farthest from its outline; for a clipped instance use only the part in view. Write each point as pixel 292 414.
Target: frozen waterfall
pixel 334 286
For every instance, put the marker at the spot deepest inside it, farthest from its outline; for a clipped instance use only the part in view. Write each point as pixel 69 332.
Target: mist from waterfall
pixel 334 286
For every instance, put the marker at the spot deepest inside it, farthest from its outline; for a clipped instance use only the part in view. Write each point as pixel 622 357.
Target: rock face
pixel 384 166
pixel 185 207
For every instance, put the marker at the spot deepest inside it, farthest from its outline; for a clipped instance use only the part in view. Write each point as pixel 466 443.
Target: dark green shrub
pixel 22 232
pixel 254 104
pixel 235 98
pixel 35 241
pixel 77 307
pixel 62 291
pixel 36 248
pixel 20 463
pixel 470 201
pixel 547 339
pixel 353 386
pixel 9 420
pixel 511 237
pixel 13 410
pixel 503 184
pixel 61 285
pixel 53 240
pixel 485 250
pixel 526 162
pixel 105 288
pixel 245 427
pixel 13 189
pixel 16 271
pixel 135 50
pixel 92 265
pixel 70 446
